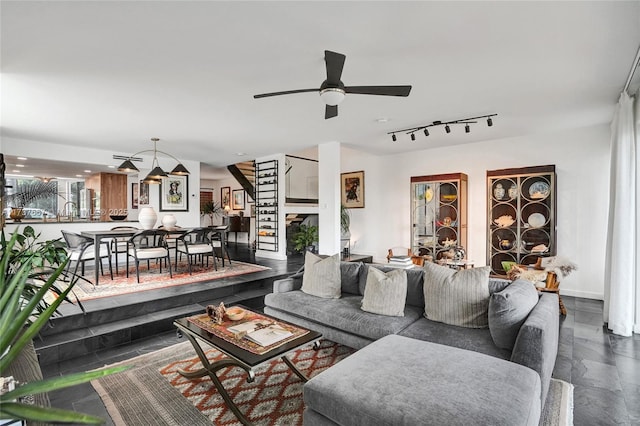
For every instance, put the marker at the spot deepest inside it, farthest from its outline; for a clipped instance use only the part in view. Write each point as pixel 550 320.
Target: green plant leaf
pixel 34 413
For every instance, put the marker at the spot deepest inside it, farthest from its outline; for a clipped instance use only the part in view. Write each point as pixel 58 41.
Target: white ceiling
pixel 114 74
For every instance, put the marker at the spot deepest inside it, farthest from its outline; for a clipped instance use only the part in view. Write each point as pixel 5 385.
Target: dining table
pixel 97 238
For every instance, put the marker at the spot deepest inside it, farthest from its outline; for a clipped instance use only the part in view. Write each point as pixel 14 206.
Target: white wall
pixel 581 157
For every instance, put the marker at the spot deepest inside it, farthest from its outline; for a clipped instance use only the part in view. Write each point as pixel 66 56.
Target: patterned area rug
pixel 144 395
pixel 151 279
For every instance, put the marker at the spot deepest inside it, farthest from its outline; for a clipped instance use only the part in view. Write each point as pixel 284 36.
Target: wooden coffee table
pixel 238 356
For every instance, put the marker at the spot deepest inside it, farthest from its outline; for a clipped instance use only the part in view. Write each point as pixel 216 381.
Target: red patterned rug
pixel 152 279
pixel 273 398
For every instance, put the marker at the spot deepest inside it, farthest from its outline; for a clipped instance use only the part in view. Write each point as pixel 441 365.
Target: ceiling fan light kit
pixel 447 128
pixel 333 91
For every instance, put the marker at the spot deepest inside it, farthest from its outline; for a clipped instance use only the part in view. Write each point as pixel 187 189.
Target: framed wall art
pixel 143 197
pixel 238 199
pixel 352 189
pixel 174 194
pixel 225 196
pixel 135 195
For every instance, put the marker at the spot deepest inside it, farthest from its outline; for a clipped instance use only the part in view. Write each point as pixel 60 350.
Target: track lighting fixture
pixel 447 126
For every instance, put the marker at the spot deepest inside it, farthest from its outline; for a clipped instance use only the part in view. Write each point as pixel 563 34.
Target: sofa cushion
pixel 343 314
pixel 457 297
pixel 415 293
pixel 322 276
pixel 385 293
pixel 401 381
pixel 508 309
pixel 350 275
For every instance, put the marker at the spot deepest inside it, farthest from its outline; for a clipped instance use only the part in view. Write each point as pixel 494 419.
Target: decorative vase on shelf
pixel 498 192
pixel 513 191
pixel 147 217
pixel 169 221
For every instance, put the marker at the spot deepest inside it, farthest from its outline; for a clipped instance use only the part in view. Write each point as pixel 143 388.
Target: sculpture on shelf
pixel 216 313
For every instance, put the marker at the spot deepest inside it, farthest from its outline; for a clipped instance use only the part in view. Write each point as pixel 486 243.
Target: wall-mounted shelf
pixel 267 205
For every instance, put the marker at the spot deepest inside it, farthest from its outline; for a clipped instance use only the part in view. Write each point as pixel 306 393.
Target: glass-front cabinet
pixel 438 214
pixel 521 206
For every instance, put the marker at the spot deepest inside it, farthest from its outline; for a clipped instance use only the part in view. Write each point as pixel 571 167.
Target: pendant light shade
pixel 157 173
pixel 179 170
pixel 128 167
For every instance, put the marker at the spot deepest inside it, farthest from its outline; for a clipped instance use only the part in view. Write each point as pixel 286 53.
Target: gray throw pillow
pixel 322 276
pixel 457 297
pixel 508 310
pixel 385 294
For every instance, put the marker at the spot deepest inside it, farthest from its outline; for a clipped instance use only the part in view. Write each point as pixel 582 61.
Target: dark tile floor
pixel 604 368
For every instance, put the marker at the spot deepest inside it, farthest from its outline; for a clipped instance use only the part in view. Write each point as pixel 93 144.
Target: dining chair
pixel 218 236
pixel 171 238
pixel 121 244
pixel 146 245
pixel 81 249
pixel 194 244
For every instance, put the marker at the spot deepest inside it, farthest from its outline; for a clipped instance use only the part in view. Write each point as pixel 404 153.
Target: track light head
pixel 413 136
pixel 489 122
pixel 467 129
pixel 393 137
pixel 447 128
pixel 426 132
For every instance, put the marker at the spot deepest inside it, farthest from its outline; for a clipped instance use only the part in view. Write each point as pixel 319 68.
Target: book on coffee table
pixel 269 335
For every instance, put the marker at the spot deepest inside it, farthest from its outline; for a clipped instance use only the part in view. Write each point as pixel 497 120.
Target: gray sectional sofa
pixel 343 321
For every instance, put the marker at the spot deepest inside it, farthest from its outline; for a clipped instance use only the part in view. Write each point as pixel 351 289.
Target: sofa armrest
pixel 287 284
pixel 536 346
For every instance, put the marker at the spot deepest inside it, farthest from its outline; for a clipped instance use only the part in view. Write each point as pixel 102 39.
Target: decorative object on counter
pixel 504 221
pixel 216 313
pixel 156 174
pixel 540 248
pixel 513 191
pixel 498 192
pixel 459 253
pixel 169 221
pixel 117 217
pixel 235 313
pixel 425 128
pixel 147 217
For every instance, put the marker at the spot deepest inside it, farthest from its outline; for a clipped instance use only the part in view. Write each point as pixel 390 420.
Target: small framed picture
pixel 143 198
pixel 225 196
pixel 352 189
pixel 238 199
pixel 174 194
pixel 135 195
pixel 252 210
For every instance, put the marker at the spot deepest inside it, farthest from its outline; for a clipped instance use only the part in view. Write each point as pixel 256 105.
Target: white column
pixel 329 198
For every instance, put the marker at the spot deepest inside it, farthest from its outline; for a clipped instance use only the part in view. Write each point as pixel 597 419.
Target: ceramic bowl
pixel 118 216
pixel 235 313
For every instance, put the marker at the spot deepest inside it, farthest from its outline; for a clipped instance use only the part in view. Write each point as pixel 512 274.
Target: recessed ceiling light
pixel 16 171
pixel 78 175
pixel 19 165
pixel 111 167
pixel 22 158
pixel 382 120
pixel 240 154
pixel 87 171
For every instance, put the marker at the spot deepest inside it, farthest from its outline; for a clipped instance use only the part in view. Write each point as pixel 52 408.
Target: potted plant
pixel 28 272
pixel 211 208
pixel 27 193
pixel 305 237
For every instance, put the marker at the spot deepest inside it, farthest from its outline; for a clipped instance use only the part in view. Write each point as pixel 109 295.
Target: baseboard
pixel 583 294
pixel 636 328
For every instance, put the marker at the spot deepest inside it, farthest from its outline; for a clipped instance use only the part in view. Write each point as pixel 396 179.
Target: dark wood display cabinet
pixel 521 216
pixel 438 214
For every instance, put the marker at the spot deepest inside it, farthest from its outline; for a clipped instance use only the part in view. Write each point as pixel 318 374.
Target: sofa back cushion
pixel 350 276
pixel 508 309
pixel 322 276
pixel 415 280
pixel 457 297
pixel 385 293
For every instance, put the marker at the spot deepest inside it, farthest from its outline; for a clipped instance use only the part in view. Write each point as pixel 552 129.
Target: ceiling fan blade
pixel 379 90
pixel 335 63
pixel 287 92
pixel 331 111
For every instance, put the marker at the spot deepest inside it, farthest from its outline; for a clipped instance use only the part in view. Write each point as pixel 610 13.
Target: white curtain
pixel 621 274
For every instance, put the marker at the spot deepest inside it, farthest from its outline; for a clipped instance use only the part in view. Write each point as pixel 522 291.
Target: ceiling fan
pixel 332 90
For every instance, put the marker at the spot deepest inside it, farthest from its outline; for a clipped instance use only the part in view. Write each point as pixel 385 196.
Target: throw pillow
pixel 385 294
pixel 322 276
pixel 457 297
pixel 508 309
